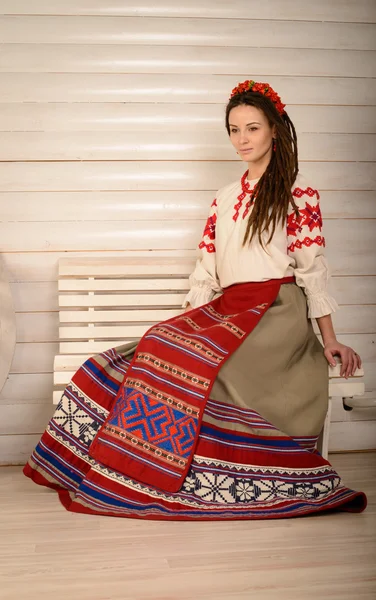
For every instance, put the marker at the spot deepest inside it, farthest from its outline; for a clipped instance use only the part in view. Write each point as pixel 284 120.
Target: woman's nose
pixel 243 137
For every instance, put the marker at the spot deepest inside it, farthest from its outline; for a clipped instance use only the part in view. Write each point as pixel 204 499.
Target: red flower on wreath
pixel 261 88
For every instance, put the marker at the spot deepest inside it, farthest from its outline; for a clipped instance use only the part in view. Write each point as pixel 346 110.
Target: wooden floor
pixel 46 552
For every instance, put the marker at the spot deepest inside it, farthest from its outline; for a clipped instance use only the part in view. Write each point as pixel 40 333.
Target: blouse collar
pixel 247 186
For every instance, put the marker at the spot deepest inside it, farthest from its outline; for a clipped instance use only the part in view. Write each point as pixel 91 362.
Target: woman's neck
pixel 257 169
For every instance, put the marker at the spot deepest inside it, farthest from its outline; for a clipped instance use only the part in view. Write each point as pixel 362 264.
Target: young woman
pixel 215 414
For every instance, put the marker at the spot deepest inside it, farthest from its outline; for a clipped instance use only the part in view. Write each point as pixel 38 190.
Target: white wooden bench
pixel 105 302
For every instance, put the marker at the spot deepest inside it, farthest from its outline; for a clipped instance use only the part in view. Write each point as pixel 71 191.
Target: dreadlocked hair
pixel 273 190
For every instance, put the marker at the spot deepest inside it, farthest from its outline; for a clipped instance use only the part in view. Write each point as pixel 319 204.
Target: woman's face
pixel 251 134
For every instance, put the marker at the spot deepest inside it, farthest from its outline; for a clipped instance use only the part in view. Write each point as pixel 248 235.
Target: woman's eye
pixel 233 130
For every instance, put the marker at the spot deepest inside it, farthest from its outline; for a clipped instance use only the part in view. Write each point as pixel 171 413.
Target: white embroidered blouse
pixel 297 248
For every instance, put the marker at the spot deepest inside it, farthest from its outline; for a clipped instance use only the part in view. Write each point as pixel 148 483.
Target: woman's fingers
pixel 350 360
pixel 357 362
pixel 330 358
pixel 343 366
pixel 350 364
pixel 346 363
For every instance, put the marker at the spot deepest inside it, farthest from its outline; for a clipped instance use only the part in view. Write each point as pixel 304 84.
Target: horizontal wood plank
pixel 178 88
pixel 153 265
pixel 116 284
pixel 321 10
pixel 86 58
pixel 153 206
pixel 117 332
pixel 353 290
pixel 127 117
pixel 16 449
pixel 166 175
pixel 40 296
pixel 28 419
pixel 350 244
pixel 355 434
pixel 187 32
pixel 27 388
pixel 43 266
pixel 34 357
pixel 197 145
pixel 69 362
pixel 355 319
pixel 37 327
pixel 91 347
pixel 136 315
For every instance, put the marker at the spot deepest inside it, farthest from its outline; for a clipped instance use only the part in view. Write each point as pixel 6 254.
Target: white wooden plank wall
pixel 112 142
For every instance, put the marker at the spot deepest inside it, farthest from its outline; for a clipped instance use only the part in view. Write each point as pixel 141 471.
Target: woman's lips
pixel 246 150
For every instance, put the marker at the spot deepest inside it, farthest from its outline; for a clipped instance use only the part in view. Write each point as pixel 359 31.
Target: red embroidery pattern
pixel 209 230
pixel 312 216
pixel 246 189
pixel 246 211
pixel 319 240
pixel 208 247
pixel 293 224
pixel 238 206
pixel 298 192
pixel 309 216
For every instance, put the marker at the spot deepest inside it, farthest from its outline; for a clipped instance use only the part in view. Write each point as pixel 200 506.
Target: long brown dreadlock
pixel 273 190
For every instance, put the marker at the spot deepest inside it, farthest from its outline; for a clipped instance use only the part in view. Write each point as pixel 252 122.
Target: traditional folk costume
pixel 213 414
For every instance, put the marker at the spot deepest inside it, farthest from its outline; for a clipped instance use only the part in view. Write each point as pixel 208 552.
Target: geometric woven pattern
pixel 75 420
pixel 154 422
pixel 215 487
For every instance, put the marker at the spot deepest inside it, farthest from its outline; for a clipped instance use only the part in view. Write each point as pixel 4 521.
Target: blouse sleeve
pixel 204 281
pixel 306 245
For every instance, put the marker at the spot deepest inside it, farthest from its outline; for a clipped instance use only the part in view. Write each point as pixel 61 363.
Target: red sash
pixel 151 432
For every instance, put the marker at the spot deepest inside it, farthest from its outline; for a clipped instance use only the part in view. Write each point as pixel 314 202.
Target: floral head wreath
pixel 262 88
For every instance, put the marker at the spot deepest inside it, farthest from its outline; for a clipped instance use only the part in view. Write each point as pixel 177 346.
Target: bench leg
pixel 323 441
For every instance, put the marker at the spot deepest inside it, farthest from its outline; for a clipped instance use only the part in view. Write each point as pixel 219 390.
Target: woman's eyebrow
pixel 253 123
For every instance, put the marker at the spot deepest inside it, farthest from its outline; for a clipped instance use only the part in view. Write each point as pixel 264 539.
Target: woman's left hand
pixel 349 358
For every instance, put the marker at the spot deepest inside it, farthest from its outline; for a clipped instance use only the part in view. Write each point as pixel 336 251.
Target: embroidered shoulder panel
pixel 208 236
